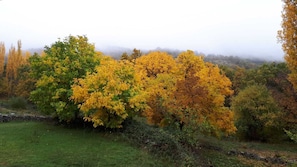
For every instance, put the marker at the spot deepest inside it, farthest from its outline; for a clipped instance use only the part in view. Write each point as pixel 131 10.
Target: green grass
pixel 40 144
pixel 287 151
pixel 44 144
pixel 215 158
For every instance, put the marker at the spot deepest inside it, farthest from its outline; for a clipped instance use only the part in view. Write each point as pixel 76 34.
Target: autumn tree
pixel 15 60
pixel 288 37
pixel 186 91
pixel 200 95
pixel 110 95
pixel 3 82
pixel 159 91
pixel 158 71
pixel 125 56
pixel 55 72
pixel 134 55
pixel 10 66
pixel 155 63
pixel 26 83
pixel 2 58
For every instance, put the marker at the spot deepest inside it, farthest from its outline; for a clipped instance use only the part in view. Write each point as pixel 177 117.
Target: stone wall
pixel 14 117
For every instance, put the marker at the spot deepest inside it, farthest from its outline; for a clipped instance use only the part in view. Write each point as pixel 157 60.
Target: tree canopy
pixel 109 95
pixel 55 72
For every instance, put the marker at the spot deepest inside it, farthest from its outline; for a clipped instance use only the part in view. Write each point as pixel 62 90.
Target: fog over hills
pixel 116 52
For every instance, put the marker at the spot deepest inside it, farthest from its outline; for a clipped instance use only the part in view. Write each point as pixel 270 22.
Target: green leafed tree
pixel 55 72
pixel 257 114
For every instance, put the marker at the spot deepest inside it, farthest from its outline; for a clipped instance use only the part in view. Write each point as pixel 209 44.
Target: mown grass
pixel 42 144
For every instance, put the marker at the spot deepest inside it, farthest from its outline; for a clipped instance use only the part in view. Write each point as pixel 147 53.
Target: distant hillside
pixel 35 50
pixel 114 51
pixel 233 61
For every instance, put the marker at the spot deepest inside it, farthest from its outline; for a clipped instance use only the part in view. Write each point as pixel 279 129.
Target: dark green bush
pixel 17 103
pixel 161 142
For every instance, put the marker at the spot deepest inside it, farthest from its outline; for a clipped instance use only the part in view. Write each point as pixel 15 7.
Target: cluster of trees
pixel 70 80
pixel 264 101
pixel 13 71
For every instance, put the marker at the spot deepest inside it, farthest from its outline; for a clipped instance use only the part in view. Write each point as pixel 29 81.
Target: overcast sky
pixel 229 27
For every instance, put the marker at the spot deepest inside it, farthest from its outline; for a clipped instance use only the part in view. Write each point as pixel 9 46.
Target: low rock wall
pixel 13 117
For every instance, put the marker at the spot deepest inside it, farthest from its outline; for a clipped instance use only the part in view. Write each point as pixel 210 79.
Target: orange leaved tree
pixel 200 95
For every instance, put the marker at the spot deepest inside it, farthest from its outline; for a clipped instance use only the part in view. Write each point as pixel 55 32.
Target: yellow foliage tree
pixel 135 54
pixel 158 70
pixel 111 94
pixel 25 83
pixel 2 58
pixel 218 87
pixel 200 95
pixel 15 60
pixel 186 91
pixel 159 91
pixel 288 37
pixel 3 82
pixel 155 63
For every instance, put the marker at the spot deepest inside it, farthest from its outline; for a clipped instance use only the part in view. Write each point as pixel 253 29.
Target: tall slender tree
pixel 288 37
pixel 3 83
pixel 15 60
pixel 2 58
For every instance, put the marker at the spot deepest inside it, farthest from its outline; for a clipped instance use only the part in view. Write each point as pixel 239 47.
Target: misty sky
pixel 229 27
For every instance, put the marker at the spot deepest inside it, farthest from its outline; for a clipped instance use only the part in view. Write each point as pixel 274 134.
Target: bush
pixel 17 103
pixel 293 136
pixel 160 142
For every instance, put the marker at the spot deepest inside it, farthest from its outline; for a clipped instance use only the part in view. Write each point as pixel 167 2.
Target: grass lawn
pixel 32 144
pixel 42 144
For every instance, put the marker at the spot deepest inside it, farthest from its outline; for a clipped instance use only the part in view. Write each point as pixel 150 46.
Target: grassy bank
pixel 41 144
pixel 138 144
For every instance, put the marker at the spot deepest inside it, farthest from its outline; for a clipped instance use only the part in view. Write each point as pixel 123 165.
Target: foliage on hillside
pixel 184 92
pixel 234 61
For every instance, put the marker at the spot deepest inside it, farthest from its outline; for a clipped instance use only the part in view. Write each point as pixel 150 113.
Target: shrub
pixel 17 103
pixel 160 142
